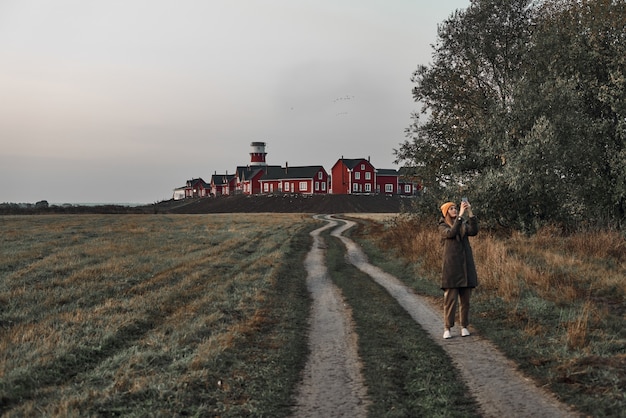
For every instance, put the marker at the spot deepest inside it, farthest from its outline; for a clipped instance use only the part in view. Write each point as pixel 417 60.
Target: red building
pixel 301 180
pixel 248 179
pixel 193 188
pixel 353 176
pixel 387 181
pixel 223 184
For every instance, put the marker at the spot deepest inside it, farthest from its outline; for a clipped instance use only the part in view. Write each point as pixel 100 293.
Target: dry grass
pixel 565 293
pixel 107 314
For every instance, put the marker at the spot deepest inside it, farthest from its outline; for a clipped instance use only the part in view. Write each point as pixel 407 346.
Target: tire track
pixel 332 384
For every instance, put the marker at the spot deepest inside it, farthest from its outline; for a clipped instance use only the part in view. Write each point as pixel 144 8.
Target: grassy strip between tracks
pixel 407 373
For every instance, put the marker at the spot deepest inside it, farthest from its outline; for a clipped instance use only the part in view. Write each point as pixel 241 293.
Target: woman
pixel 459 270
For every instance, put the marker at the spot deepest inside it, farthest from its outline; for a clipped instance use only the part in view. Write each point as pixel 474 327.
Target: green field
pixel 151 314
pixel 206 315
pixel 201 315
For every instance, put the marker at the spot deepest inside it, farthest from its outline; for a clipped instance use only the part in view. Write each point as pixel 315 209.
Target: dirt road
pixel 333 385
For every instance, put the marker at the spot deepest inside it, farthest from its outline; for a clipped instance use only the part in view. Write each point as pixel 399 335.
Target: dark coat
pixel 459 269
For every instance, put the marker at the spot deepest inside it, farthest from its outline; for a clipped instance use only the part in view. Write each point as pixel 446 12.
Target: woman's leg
pixel 449 307
pixel 464 306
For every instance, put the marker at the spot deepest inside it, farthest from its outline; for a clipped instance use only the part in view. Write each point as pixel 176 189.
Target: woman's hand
pixel 463 206
pixel 468 208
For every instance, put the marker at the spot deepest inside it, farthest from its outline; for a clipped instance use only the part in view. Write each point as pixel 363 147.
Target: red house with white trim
pixel 193 188
pixel 353 176
pixel 248 179
pixel 409 183
pixel 223 184
pixel 301 180
pixel 387 181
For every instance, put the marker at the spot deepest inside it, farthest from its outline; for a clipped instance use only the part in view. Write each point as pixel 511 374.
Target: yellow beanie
pixel 445 207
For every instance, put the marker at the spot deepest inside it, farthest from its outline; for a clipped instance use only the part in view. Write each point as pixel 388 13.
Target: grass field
pixel 206 315
pixel 151 315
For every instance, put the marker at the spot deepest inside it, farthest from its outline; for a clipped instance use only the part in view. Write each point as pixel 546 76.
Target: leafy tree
pixel 576 87
pixel 523 106
pixel 467 93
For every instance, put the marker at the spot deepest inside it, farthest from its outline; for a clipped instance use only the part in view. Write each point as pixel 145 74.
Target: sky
pixel 121 101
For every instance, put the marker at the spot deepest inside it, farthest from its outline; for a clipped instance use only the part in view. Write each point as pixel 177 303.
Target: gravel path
pixel 333 385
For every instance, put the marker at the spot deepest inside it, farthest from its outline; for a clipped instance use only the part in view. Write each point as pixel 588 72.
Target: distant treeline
pixel 43 207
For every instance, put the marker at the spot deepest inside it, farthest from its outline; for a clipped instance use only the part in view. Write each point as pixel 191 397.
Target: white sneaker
pixel 446 334
pixel 465 332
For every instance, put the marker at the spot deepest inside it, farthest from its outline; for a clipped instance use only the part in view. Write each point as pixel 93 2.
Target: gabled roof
pixel 352 162
pixel 221 179
pixel 197 182
pixel 246 172
pixel 291 173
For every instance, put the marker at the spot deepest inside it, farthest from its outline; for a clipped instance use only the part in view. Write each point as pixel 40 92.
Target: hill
pixel 286 203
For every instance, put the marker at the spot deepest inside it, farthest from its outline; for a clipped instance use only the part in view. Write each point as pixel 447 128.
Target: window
pixel 319 175
pixel 407 188
pixel 368 187
pixel 388 188
pixel 286 186
pixel 303 186
pixel 266 187
pixel 355 187
pixel 368 175
pixel 362 166
pixel 357 175
pixel 323 186
pixel 317 186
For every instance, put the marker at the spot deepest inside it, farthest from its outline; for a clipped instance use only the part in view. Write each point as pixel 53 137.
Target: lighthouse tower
pixel 257 156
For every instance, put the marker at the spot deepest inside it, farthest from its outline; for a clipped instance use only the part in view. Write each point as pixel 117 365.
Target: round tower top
pixel 257 156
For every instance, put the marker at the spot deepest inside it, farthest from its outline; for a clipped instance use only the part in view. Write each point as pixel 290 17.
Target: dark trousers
pixel 450 297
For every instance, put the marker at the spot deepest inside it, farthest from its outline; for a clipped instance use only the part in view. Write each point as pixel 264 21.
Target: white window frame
pixel 266 187
pixel 407 188
pixel 357 175
pixel 368 175
pixel 304 186
pixel 388 188
pixel 323 186
pixel 286 186
pixel 320 175
pixel 368 187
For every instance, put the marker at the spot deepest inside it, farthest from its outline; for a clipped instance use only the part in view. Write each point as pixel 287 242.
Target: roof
pixel 387 172
pixel 197 182
pixel 291 173
pixel 352 162
pixel 246 172
pixel 221 179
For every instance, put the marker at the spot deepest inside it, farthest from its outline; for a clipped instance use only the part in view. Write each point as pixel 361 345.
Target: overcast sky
pixel 124 100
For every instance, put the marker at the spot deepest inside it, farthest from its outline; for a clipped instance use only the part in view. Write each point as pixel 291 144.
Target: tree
pixel 577 87
pixel 523 106
pixel 466 94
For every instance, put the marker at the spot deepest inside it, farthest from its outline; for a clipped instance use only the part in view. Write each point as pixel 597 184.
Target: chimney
pixel 286 167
